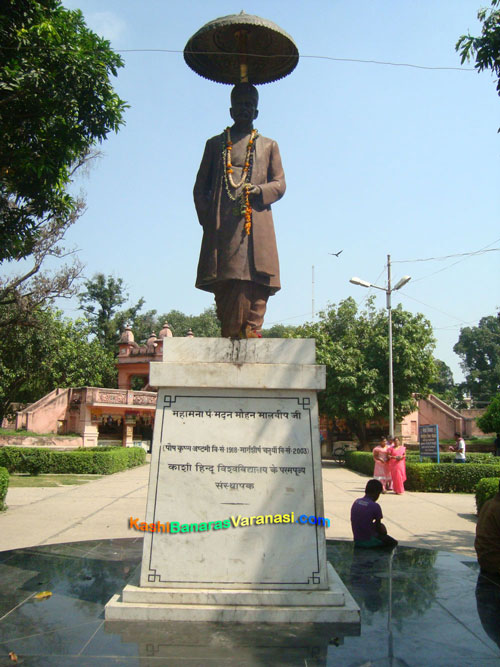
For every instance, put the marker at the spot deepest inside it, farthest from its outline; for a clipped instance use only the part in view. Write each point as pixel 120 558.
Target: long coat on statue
pixel 227 252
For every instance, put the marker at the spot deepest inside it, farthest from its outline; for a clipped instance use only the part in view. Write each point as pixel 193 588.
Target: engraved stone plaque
pixel 234 471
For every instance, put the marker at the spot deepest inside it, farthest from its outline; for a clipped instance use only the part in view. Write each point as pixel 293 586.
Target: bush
pixel 449 457
pixel 4 485
pixel 90 461
pixel 447 477
pixel 444 477
pixel 486 489
pixel 360 461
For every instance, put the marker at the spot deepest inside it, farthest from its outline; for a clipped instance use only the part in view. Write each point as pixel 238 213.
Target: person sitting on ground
pixel 459 448
pixel 366 519
pixel 487 542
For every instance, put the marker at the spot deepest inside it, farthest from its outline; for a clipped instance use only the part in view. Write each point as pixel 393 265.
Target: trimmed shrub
pixel 447 477
pixel 90 461
pixel 360 461
pixel 449 457
pixel 4 485
pixel 486 489
pixel 444 477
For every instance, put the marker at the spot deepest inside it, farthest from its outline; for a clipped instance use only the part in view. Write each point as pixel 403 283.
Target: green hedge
pixel 90 461
pixel 449 457
pixel 4 485
pixel 486 489
pixel 444 477
pixel 360 461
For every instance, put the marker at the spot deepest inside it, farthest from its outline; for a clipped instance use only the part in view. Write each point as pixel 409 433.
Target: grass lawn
pixel 18 480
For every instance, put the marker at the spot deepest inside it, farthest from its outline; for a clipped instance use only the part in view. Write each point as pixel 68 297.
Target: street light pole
pixel 388 291
pixel 391 384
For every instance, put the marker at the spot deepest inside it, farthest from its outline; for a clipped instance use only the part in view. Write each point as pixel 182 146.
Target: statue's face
pixel 243 109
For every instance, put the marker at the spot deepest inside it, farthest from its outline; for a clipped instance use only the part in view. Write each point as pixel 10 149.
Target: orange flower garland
pixel 248 212
pixel 227 147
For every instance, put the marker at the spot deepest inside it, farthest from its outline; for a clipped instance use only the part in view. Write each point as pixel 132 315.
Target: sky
pixel 379 159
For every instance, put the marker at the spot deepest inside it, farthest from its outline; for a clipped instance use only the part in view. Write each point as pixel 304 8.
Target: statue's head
pixel 244 102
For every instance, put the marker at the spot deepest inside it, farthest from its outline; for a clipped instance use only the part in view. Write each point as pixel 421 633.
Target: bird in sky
pixel 336 253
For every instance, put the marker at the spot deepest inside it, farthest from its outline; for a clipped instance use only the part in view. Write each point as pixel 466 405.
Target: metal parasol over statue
pixel 241 174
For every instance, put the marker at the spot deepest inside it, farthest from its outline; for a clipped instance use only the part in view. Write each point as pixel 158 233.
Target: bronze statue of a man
pixel 240 176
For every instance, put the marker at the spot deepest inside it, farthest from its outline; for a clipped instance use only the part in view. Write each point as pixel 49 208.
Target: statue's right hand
pixel 254 189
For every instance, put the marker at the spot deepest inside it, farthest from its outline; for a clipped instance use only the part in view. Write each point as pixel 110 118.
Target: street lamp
pixel 388 290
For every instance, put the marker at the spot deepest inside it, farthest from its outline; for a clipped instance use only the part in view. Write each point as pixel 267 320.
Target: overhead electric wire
pixel 463 255
pixel 316 57
pixel 438 259
pixel 454 317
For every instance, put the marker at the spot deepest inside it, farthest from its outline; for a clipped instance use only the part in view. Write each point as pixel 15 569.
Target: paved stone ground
pixel 445 521
pixel 100 509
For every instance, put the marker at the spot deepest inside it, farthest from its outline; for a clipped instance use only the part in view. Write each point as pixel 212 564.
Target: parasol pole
pixel 241 36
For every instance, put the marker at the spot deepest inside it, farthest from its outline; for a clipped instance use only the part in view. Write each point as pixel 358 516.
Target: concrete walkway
pixel 101 509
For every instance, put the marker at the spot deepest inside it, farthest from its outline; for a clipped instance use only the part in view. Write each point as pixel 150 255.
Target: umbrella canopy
pixel 241 47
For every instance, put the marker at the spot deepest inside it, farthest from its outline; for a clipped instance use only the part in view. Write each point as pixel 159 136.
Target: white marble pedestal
pixel 235 469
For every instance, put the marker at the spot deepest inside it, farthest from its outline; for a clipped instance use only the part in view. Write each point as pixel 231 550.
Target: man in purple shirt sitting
pixel 366 519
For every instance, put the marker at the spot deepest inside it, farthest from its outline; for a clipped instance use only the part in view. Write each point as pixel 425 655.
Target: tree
pixel 100 304
pixel 479 349
pixel 490 421
pixel 443 385
pixel 23 293
pixel 53 352
pixel 279 331
pixel 56 103
pixel 205 325
pixel 485 49
pixel 354 348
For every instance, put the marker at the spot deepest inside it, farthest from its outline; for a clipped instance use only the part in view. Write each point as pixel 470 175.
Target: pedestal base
pixel 334 605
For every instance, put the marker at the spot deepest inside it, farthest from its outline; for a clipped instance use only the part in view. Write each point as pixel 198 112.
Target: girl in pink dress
pixel 397 464
pixel 381 470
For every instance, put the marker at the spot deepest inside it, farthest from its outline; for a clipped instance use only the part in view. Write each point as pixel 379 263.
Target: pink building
pixel 432 410
pixel 100 415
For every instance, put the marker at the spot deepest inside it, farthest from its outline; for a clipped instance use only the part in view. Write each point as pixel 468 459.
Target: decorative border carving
pixel 305 403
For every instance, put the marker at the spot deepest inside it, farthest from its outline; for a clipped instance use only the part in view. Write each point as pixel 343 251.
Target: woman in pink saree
pixel 381 470
pixel 397 465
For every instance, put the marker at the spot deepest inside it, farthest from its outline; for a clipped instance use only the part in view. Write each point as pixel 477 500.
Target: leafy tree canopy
pixel 479 349
pixel 100 303
pixel 485 49
pixel 279 331
pixel 56 102
pixel 444 387
pixel 204 325
pixel 354 348
pixel 52 352
pixel 34 287
pixel 490 421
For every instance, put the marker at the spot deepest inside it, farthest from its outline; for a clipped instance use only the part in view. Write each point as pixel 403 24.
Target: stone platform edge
pixel 242 376
pixel 215 605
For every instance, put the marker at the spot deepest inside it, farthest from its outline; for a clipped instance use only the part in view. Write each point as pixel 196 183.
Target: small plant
pixel 4 486
pixel 486 489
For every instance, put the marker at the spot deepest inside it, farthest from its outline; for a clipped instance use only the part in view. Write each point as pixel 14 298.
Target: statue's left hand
pixel 254 189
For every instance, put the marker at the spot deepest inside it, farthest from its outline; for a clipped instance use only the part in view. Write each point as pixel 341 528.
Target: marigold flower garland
pixel 227 147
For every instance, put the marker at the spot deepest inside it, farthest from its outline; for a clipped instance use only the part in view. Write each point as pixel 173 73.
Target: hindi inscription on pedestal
pixel 243 466
pixel 234 526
